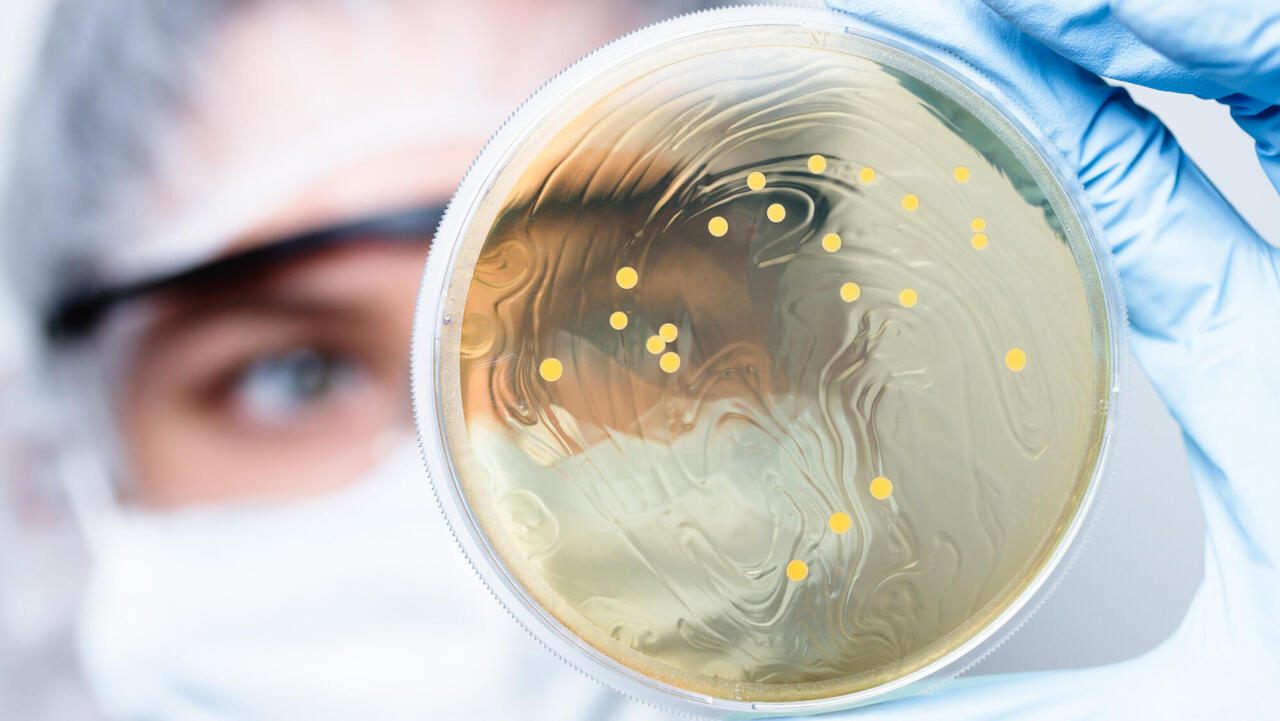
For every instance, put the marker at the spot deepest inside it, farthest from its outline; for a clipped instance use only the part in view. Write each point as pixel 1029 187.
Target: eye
pixel 281 389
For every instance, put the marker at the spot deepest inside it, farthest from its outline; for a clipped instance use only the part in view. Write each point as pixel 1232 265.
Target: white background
pixel 1132 582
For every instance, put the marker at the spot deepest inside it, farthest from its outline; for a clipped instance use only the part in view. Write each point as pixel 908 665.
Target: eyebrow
pixel 76 316
pixel 258 306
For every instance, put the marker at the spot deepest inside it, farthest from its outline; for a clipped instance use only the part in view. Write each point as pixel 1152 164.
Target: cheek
pixel 154 434
pixel 183 455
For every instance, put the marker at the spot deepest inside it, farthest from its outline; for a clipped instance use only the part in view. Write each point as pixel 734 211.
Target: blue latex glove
pixel 1203 293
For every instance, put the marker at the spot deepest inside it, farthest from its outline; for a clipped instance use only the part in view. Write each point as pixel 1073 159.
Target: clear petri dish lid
pixel 765 363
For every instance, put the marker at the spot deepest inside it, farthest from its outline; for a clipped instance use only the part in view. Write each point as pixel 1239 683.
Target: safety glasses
pixel 79 313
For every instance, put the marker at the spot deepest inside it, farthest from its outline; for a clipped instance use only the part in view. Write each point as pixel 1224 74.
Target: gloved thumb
pixel 1233 42
pixel 1228 51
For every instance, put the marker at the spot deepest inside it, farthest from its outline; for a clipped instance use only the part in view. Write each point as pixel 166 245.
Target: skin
pixel 196 427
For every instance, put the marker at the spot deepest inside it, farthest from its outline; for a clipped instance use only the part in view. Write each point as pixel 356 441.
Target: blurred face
pixel 286 380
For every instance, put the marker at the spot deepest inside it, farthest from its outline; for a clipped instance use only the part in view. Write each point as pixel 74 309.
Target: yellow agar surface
pixel 797 570
pixel 669 362
pixel 1016 359
pixel 840 522
pixel 551 369
pixel 627 277
pixel 881 488
pixel 718 226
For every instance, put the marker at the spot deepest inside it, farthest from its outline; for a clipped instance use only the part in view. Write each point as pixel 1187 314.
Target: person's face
pixel 285 382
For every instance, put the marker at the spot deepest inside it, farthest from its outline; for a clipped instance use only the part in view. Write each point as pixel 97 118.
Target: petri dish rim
pixel 442 296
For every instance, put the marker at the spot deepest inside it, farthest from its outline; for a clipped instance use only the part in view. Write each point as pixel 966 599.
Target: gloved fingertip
pixel 1262 121
pixel 1234 42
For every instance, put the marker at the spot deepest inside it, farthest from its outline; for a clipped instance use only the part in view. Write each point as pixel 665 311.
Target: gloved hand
pixel 1203 294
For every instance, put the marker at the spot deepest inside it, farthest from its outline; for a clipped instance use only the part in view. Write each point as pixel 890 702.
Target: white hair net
pixel 108 77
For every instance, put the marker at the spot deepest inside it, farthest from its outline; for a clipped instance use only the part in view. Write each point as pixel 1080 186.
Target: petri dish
pixel 765 363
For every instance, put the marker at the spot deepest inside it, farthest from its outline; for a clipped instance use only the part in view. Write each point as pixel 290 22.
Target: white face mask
pixel 353 605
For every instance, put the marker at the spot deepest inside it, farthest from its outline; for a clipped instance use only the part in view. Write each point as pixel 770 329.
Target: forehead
pixel 310 113
pixel 307 66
